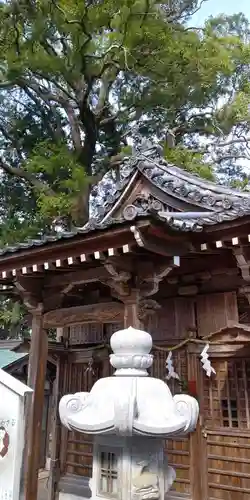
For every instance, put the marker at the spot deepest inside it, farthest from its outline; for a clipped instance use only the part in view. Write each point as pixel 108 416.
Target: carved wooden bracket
pixel 147 307
pixel 30 292
pixel 242 262
pixel 119 279
pixel 149 285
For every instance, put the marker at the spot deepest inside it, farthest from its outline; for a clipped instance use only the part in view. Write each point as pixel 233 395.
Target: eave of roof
pixel 115 235
pixel 8 358
pixel 92 228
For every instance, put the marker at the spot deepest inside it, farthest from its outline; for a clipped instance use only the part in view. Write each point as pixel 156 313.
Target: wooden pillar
pixel 36 380
pixel 56 429
pixel 131 310
pixel 197 473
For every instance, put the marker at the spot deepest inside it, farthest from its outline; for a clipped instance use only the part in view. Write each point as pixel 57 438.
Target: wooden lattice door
pixel 225 442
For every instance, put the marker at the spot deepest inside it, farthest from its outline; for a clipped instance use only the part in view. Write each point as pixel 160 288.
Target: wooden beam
pixel 103 311
pixel 76 277
pixel 188 290
pixel 229 226
pixel 36 380
pixel 158 246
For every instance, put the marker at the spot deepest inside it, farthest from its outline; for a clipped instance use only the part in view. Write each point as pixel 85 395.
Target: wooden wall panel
pixel 86 333
pixel 91 333
pixel 214 311
pixel 173 320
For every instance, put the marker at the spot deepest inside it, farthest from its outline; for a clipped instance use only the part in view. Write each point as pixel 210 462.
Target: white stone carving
pixel 145 486
pixel 137 404
pixel 70 404
pixel 130 414
pixel 187 407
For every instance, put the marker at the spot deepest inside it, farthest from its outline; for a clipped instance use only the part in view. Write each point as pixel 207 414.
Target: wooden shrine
pixel 169 252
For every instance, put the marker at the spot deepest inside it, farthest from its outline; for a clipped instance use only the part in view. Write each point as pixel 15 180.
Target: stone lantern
pixel 130 415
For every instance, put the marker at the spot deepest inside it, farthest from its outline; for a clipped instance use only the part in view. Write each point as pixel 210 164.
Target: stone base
pixel 72 487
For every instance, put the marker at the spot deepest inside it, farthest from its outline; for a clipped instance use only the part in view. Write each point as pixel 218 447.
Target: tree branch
pixel 57 131
pixel 75 128
pixel 42 92
pixel 27 176
pixel 232 157
pixel 232 141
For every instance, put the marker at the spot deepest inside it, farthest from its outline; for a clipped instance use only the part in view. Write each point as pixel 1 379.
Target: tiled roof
pixel 225 204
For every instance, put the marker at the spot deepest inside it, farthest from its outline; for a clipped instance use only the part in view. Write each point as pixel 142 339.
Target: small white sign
pixel 6 494
pixel 12 394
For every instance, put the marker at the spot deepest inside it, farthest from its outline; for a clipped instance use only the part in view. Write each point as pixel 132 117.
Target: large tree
pixel 80 79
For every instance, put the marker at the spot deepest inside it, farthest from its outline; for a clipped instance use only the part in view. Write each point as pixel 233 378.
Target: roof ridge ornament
pixel 149 149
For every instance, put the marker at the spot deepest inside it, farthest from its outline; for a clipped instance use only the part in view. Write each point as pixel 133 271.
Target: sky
pixel 215 7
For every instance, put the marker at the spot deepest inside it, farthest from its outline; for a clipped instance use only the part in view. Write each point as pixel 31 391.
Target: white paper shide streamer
pixel 170 368
pixel 206 363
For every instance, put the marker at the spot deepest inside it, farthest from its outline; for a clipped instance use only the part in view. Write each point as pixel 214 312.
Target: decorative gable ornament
pixel 130 415
pixel 206 363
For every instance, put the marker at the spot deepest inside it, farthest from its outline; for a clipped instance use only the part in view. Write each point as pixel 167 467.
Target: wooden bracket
pixel 242 262
pixel 149 285
pixel 147 307
pixel 30 294
pixel 118 280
